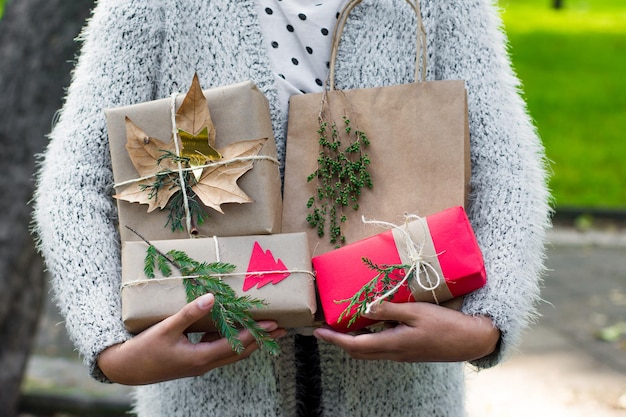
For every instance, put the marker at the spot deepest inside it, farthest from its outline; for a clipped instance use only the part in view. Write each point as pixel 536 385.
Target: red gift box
pixel 447 249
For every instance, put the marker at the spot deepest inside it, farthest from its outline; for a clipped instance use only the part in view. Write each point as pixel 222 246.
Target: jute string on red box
pixel 418 265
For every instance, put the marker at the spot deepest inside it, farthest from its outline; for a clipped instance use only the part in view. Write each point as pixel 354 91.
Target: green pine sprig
pixel 230 312
pixel 342 173
pixel 168 179
pixel 386 278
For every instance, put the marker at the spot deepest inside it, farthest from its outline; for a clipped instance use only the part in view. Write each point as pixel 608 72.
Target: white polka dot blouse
pixel 298 35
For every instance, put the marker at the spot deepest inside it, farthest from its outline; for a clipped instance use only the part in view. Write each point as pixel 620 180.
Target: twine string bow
pixel 418 265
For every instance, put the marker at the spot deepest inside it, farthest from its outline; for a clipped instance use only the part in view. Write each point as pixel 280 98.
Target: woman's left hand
pixel 425 333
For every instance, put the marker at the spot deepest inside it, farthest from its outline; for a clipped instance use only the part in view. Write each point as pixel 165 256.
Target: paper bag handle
pixel 420 40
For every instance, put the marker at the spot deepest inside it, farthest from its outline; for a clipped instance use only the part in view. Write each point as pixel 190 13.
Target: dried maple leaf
pixel 196 129
pixel 157 161
pixel 218 184
pixel 145 152
pixel 193 114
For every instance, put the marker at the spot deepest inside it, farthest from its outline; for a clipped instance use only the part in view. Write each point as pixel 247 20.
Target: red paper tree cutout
pixel 263 261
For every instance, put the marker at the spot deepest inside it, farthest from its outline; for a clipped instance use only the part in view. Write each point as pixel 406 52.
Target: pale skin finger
pixel 163 352
pixel 426 333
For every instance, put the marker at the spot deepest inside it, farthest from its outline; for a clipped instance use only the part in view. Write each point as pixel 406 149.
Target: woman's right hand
pixel 163 352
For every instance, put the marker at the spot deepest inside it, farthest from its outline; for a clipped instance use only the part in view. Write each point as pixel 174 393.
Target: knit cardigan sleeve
pixel 74 214
pixel 509 200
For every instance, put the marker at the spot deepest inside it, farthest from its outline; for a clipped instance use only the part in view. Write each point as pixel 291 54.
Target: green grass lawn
pixel 572 63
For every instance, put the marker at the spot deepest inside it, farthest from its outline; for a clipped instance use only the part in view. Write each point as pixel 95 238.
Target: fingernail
pixel 205 301
pixel 319 334
pixel 269 325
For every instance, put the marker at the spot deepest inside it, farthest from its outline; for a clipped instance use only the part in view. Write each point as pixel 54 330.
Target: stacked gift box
pixel 246 235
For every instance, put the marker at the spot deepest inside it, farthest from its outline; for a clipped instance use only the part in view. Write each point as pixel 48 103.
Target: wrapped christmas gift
pixel 199 164
pixel 275 269
pixel 431 259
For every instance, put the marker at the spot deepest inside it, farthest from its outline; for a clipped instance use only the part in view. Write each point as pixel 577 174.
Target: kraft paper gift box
pixel 274 268
pixel 239 112
pixel 450 265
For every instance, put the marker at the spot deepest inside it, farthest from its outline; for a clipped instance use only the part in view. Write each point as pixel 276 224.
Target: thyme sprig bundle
pixel 341 174
pixel 386 279
pixel 230 312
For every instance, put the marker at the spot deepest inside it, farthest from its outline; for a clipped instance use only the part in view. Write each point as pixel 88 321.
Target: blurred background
pixel 571 58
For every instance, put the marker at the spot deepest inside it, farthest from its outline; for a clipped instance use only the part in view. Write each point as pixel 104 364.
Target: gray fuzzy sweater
pixel 140 50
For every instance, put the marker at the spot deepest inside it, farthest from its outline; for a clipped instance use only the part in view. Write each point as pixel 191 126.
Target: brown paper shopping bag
pixel 419 148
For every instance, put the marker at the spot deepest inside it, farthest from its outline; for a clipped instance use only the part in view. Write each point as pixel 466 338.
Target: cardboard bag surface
pixel 419 151
pixel 290 295
pixel 239 112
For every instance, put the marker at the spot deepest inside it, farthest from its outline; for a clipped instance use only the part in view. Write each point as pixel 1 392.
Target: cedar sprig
pixel 230 312
pixel 387 277
pixel 176 206
pixel 168 179
pixel 341 175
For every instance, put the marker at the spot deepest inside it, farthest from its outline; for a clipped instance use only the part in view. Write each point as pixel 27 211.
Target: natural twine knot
pixel 418 266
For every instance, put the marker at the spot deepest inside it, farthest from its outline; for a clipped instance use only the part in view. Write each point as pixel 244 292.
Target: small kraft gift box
pixel 224 137
pixel 272 268
pixel 432 259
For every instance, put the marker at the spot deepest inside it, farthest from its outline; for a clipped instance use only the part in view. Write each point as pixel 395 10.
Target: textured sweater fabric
pixel 140 50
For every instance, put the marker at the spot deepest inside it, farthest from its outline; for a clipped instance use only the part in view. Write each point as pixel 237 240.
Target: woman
pixel 141 50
